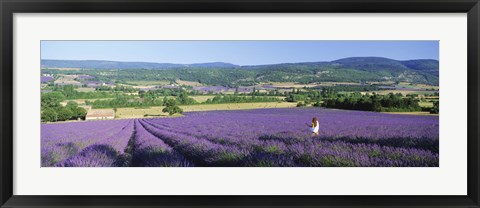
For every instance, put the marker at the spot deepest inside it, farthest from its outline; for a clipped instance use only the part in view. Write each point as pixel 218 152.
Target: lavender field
pixel 246 138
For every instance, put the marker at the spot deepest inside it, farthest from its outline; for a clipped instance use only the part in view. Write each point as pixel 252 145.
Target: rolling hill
pixel 101 64
pixel 353 69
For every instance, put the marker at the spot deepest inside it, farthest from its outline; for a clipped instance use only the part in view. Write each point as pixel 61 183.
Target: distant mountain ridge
pixel 378 63
pixel 352 69
pixel 103 64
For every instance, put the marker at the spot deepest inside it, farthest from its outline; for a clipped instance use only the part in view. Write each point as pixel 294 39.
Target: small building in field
pixel 100 114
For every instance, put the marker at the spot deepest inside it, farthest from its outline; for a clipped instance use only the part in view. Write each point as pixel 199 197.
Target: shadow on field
pixel 69 147
pixel 150 157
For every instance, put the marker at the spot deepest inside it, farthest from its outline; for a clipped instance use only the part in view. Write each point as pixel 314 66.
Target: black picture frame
pixel 9 7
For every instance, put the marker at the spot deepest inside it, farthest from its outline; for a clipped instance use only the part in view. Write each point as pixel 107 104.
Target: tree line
pixel 52 110
pixel 153 98
pixel 70 92
pixel 379 103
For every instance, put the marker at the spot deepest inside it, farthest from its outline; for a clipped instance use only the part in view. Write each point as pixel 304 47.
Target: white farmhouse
pixel 100 114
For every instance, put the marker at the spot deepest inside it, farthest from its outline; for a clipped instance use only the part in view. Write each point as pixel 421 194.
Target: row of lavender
pixel 105 144
pixel 84 144
pixel 266 137
pixel 279 137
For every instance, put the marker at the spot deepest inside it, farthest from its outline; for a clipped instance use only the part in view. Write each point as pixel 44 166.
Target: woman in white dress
pixel 314 127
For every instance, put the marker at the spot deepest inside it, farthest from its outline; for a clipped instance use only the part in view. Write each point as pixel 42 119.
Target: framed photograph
pixel 239 104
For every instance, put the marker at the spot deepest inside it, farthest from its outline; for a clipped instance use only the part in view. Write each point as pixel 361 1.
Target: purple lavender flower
pixel 262 137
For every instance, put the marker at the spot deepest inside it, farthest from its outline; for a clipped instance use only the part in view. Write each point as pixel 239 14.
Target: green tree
pixel 64 114
pixel 436 108
pixel 165 100
pixel 71 105
pixel 79 113
pixel 236 90
pixel 183 99
pixel 301 104
pixel 51 100
pixel 49 115
pixel 141 93
pixel 76 112
pixel 171 107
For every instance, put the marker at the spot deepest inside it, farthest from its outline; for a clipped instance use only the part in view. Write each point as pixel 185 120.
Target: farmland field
pixel 224 103
pixel 86 89
pixel 425 104
pixel 148 83
pixel 202 98
pixel 82 101
pixel 246 138
pixel 140 112
pixel 405 92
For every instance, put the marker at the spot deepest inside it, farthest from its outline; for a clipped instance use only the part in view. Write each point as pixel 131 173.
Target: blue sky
pixel 236 52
